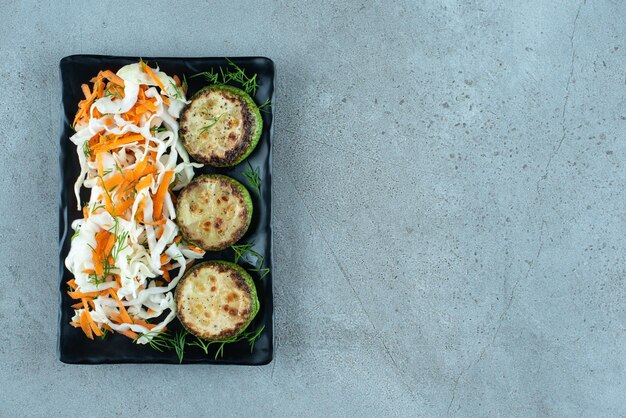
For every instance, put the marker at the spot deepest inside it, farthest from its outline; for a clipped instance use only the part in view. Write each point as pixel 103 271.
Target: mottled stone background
pixel 449 207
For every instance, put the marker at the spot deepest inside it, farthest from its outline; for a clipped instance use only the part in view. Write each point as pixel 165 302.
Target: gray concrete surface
pixel 450 217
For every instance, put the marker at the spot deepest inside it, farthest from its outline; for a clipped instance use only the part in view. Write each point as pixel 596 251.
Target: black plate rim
pixel 64 221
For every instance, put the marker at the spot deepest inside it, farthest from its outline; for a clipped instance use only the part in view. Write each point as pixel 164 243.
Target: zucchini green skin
pixel 253 128
pixel 194 235
pixel 242 276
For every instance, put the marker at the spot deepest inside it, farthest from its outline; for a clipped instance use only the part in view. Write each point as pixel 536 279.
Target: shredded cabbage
pixel 142 250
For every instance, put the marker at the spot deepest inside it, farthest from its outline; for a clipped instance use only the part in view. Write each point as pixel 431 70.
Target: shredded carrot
pixel 196 249
pixel 160 194
pixel 84 324
pixel 145 181
pixel 111 76
pixel 124 206
pixel 130 334
pixel 92 324
pixel 149 71
pixel 113 180
pixel 86 91
pixel 149 105
pixel 116 143
pixel 80 295
pixel 156 223
pixel 123 314
pixel 143 323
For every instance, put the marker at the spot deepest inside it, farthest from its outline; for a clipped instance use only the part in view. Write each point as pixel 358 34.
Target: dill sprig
pixel 184 85
pixel 243 251
pixel 86 149
pixel 165 341
pixel 212 124
pixel 162 341
pixel 112 90
pixel 232 73
pixel 157 129
pixel 250 336
pixel 105 333
pixel 178 93
pixel 238 75
pixel 210 76
pixel 253 177
pixel 266 106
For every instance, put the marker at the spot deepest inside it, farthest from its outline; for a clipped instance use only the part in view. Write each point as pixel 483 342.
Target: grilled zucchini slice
pixel 216 300
pixel 214 211
pixel 221 126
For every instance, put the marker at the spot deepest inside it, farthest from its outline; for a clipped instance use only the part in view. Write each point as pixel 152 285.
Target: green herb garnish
pixel 157 129
pixel 162 341
pixel 266 106
pixel 212 124
pixel 232 73
pixel 253 176
pixel 242 252
pixel 250 336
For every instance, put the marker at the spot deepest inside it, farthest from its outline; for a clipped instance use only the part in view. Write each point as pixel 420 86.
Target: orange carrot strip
pixel 91 322
pixel 72 283
pixel 84 324
pixel 146 181
pixel 98 88
pixel 111 76
pixel 112 181
pixel 160 194
pixel 130 334
pixel 80 295
pixel 149 71
pixel 144 324
pixel 77 305
pixel 196 249
pixel 115 318
pixel 148 104
pixel 99 164
pixel 124 206
pixel 156 223
pixel 123 314
pixel 117 143
pixel 86 91
pixel 109 245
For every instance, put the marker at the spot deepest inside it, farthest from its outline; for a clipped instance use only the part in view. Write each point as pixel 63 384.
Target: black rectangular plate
pixel 74 347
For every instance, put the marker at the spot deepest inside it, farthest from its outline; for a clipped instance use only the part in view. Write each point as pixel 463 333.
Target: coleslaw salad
pixel 127 253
